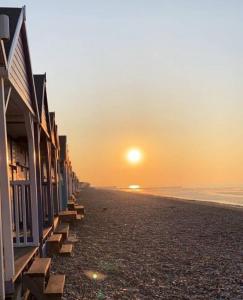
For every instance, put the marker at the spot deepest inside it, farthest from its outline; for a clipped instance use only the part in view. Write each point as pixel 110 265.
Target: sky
pixel 162 76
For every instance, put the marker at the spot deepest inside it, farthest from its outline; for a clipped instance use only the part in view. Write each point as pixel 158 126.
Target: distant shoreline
pixel 200 201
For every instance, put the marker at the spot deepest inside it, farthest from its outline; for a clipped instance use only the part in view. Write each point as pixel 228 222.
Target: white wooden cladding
pixel 22 213
pixel 18 72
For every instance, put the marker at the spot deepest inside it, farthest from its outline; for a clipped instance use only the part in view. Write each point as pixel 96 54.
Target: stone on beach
pixel 150 247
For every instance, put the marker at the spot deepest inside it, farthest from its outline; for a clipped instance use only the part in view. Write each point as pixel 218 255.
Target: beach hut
pixel 36 177
pixel 43 161
pixel 54 151
pixel 63 163
pixel 18 124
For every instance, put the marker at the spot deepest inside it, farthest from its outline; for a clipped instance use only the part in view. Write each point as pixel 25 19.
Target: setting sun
pixel 134 156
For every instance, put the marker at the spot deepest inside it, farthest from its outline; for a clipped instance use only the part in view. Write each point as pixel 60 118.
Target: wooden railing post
pixel 2 288
pixel 55 193
pixel 33 180
pixel 5 193
pixel 38 178
pixel 49 183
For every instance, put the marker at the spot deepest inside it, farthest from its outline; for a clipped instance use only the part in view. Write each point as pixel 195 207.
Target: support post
pixel 55 192
pixel 39 181
pixel 6 218
pixel 49 183
pixel 33 180
pixel 2 287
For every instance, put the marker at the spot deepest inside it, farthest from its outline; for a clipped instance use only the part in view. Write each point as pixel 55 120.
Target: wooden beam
pixel 2 288
pixel 33 180
pixel 5 193
pixel 38 178
pixel 49 182
pixel 56 197
pixel 7 98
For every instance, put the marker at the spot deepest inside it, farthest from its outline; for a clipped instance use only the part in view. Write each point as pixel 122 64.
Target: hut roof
pixel 13 14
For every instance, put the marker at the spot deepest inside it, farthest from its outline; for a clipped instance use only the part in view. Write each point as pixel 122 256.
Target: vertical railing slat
pixel 24 213
pixel 16 207
pixel 21 203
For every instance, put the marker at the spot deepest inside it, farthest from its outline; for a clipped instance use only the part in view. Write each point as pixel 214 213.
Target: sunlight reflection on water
pixel 226 195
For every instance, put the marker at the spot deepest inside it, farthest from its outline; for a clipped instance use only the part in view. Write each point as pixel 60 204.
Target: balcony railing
pixel 21 213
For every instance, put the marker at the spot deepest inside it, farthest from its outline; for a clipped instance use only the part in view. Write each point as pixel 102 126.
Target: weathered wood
pixel 79 209
pixel 39 182
pixel 55 286
pixel 36 285
pixel 33 178
pixel 22 257
pixel 49 183
pixel 66 250
pixel 63 229
pixel 2 287
pixel 39 268
pixel 53 244
pixel 68 216
pixel 71 205
pixel 79 217
pixel 6 215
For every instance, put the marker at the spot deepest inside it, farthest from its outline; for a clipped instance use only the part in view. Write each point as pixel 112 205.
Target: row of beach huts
pixel 38 186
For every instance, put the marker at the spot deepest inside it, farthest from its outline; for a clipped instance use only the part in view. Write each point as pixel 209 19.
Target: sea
pixel 226 195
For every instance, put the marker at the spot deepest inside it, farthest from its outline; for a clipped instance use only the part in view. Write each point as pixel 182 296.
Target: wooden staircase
pixel 56 244
pixel 39 283
pixel 74 206
pixel 63 229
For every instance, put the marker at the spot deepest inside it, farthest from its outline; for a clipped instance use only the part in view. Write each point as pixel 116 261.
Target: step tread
pixel 79 206
pixel 67 213
pixel 66 249
pixel 55 285
pixel 55 238
pixel 62 228
pixel 39 267
pixel 79 217
pixel 71 202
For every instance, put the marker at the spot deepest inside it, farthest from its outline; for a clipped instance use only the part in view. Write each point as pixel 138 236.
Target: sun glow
pixel 134 156
pixel 134 187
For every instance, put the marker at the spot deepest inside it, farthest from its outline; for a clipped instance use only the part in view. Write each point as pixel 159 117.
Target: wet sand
pixel 151 247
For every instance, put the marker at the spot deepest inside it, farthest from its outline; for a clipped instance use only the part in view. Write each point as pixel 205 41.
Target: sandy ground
pixel 150 247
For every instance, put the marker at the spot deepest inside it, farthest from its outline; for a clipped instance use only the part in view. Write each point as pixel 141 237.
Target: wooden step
pixel 79 217
pixel 71 205
pixel 63 229
pixel 66 250
pixel 34 278
pixel 79 209
pixel 39 268
pixel 68 215
pixel 55 287
pixel 26 295
pixel 53 244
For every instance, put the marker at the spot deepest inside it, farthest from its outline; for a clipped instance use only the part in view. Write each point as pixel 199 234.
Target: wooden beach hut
pixel 64 163
pixel 54 151
pixel 18 123
pixel 30 169
pixel 43 161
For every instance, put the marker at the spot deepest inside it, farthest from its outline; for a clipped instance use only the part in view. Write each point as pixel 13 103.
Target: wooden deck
pixel 22 256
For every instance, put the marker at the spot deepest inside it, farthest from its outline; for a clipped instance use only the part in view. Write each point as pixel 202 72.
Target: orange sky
pixel 163 76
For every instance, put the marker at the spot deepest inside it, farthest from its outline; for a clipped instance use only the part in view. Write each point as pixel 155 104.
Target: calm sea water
pixel 226 195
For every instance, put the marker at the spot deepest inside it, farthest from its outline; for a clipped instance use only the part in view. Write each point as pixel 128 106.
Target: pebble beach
pixel 137 246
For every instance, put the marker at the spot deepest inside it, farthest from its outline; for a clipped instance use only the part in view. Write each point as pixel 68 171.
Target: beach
pixel 150 247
